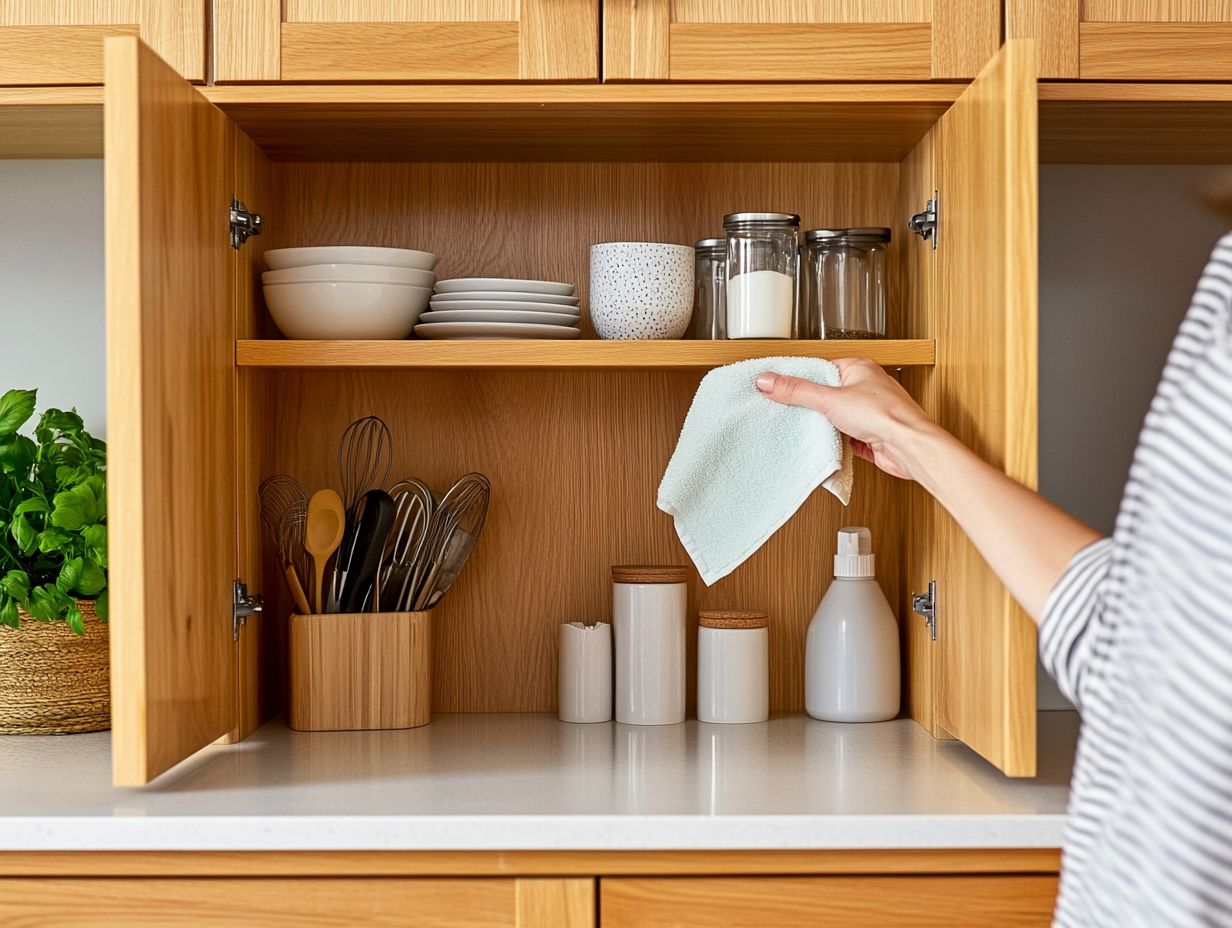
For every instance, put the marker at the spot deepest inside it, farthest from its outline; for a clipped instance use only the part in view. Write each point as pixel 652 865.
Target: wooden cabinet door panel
pixel 406 40
pixel 982 156
pixel 795 40
pixel 62 43
pixel 275 903
pixel 1135 40
pixel 829 902
pixel 171 411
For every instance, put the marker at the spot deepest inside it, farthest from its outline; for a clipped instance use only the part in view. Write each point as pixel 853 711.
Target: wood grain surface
pixel 171 405
pixel 400 11
pixel 583 354
pixel 485 51
pixel 1157 11
pixel 1156 51
pixel 51 122
pixel 985 326
pixel 555 903
pixel 360 671
pixel 801 11
pixel 525 863
pixel 574 457
pixel 256 903
pixel 965 34
pixel 34 55
pixel 829 902
pixel 1053 24
pixel 247 40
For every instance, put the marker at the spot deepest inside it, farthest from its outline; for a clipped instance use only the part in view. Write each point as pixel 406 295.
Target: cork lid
pixel 731 619
pixel 644 573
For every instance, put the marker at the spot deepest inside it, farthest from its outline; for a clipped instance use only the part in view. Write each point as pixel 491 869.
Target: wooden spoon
pixel 326 523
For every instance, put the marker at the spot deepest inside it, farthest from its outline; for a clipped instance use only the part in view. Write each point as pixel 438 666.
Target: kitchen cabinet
pixel 203 403
pixel 62 43
pixel 798 40
pixel 1127 40
pixel 406 40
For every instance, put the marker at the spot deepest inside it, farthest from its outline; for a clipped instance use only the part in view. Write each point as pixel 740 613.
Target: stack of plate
pixel 347 291
pixel 496 307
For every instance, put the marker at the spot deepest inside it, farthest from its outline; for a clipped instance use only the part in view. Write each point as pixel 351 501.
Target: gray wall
pixel 1120 250
pixel 51 284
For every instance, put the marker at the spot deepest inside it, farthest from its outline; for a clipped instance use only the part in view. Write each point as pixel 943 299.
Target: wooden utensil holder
pixel 361 671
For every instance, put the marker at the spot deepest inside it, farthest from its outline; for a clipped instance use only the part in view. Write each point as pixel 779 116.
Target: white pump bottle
pixel 851 671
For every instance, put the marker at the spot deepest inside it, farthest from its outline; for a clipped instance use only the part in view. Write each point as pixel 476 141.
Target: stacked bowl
pixel 499 307
pixel 347 291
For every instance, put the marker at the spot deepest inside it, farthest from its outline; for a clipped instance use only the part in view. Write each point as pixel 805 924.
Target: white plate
pixel 493 330
pixel 459 284
pixel 512 296
pixel 496 315
pixel 278 258
pixel 520 306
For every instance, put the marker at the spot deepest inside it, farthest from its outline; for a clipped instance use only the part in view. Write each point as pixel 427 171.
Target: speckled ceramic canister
pixel 641 290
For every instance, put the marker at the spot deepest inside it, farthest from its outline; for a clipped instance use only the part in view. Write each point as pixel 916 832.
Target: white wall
pixel 1120 250
pixel 51 284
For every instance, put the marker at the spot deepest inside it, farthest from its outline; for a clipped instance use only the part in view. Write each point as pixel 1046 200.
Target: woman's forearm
pixel 1026 539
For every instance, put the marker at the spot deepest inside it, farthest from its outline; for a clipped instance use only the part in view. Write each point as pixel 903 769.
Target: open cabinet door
pixel 982 312
pixel 171 410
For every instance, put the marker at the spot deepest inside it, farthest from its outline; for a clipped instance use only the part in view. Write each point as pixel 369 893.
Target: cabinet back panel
pixel 575 459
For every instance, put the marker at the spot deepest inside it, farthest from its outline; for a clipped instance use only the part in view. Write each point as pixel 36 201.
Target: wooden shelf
pixel 587 354
pixel 51 122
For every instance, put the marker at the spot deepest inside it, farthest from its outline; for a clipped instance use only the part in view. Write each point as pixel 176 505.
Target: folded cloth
pixel 744 463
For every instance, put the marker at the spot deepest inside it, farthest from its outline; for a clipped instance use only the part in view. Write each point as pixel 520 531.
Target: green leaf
pixel 61 421
pixel 8 613
pixel 95 537
pixel 32 505
pixel 16 583
pixel 48 603
pixel 92 579
pixel 16 406
pixel 17 453
pixel 77 507
pixel 75 621
pixel 102 605
pixel 24 534
pixel 52 539
pixel 70 574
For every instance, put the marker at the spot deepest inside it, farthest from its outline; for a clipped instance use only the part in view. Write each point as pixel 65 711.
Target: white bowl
pixel 278 258
pixel 345 309
pixel 365 273
pixel 641 290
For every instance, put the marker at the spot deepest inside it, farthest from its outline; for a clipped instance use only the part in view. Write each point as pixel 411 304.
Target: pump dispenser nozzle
pixel 854 557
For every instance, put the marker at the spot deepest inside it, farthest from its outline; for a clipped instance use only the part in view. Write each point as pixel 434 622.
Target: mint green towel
pixel 744 464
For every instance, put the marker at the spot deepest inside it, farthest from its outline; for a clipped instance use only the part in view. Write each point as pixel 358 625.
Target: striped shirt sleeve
pixel 1073 616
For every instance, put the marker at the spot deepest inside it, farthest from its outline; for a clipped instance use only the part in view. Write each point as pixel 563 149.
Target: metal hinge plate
pixel 244 224
pixel 925 224
pixel 926 605
pixel 242 606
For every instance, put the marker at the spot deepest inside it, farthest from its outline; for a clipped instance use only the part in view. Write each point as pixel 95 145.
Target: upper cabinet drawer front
pixel 798 40
pixel 44 43
pixel 1134 40
pixel 406 40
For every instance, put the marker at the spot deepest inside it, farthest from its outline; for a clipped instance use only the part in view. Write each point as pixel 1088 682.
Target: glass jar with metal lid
pixel 845 282
pixel 710 282
pixel 762 260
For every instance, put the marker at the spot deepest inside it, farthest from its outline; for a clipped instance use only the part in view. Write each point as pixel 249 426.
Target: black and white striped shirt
pixel 1138 634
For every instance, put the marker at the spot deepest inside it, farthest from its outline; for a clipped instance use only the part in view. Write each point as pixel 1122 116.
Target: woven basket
pixel 53 682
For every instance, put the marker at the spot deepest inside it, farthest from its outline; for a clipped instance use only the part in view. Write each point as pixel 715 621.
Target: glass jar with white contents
pixel 762 259
pixel 710 282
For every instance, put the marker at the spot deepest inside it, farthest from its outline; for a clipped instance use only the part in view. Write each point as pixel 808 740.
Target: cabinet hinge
pixel 244 224
pixel 242 606
pixel 925 224
pixel 926 605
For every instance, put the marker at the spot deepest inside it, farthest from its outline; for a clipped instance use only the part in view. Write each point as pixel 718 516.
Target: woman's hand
pixel 882 420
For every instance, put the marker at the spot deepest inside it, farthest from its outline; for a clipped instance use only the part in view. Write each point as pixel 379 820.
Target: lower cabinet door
pixel 226 902
pixel 829 902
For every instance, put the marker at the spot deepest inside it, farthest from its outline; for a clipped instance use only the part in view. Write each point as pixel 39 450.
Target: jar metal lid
pixel 645 573
pixel 732 619
pixel 758 219
pixel 823 235
pixel 706 244
pixel 878 234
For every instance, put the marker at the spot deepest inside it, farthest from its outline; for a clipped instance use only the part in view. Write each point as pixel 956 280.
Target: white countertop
pixel 529 782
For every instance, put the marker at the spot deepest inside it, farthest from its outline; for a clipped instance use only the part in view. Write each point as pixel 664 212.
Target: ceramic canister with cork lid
pixel 648 622
pixel 733 667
